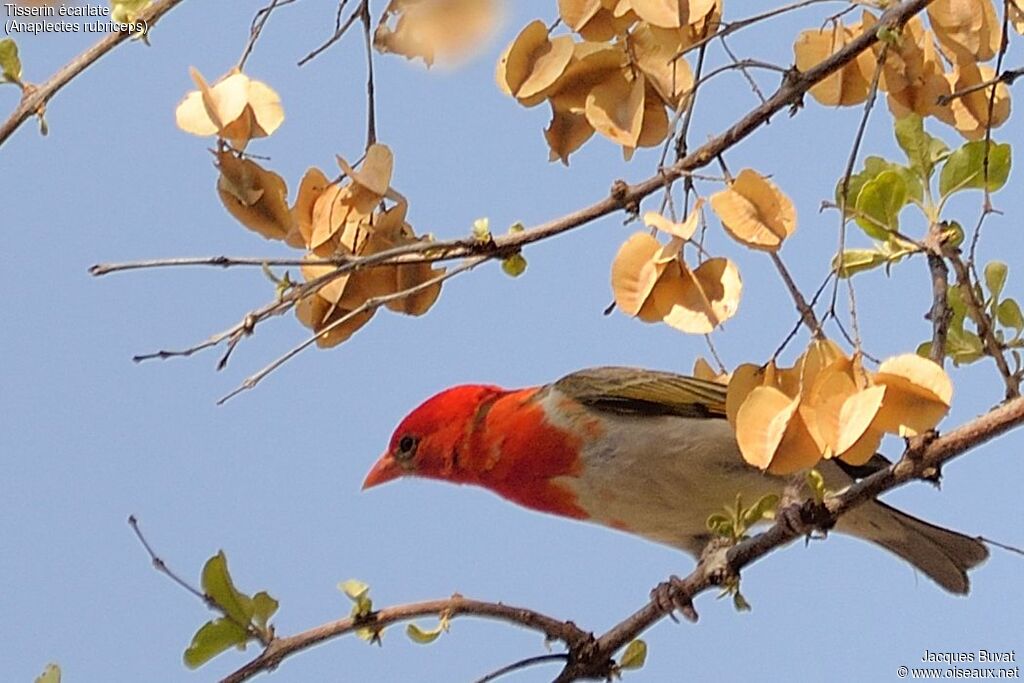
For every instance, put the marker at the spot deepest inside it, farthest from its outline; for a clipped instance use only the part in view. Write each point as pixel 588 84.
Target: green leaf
pixel 264 607
pixel 963 347
pixel 764 508
pixel 740 602
pixel 516 227
pixel 634 656
pixel 816 483
pixel 879 204
pixel 1009 315
pixel 10 63
pixel 482 230
pixel 964 169
pixel 720 525
pixel 359 593
pixel 211 639
pixel 952 234
pixel 425 637
pixel 218 586
pixel 514 265
pixel 995 277
pixel 853 261
pixel 924 349
pixel 125 11
pixel 355 590
pixel 923 150
pixel 958 305
pixel 51 674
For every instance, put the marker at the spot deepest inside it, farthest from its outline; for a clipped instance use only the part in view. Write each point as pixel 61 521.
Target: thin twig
pixel 35 97
pixel 851 161
pixel 370 304
pixel 806 312
pixel 733 26
pixel 371 107
pixel 162 567
pixel 743 69
pixel 1008 77
pixel 207 599
pixel 455 606
pixel 259 21
pixel 523 664
pixel 340 29
pixel 975 309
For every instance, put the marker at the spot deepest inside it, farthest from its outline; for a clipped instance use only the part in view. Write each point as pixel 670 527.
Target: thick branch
pixel 921 456
pixel 35 97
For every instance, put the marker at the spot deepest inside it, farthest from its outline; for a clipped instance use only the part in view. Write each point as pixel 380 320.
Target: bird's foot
pixel 674 596
pixel 806 518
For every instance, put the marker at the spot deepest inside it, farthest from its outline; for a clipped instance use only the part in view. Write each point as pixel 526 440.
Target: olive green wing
pixel 637 391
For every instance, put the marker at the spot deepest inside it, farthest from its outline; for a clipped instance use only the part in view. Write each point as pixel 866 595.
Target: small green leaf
pixel 514 265
pixel 355 590
pixel 995 277
pixel 126 11
pixel 923 150
pixel 964 169
pixel 211 639
pixel 720 525
pixel 634 656
pixel 816 483
pixel 425 637
pixel 963 347
pixel 740 602
pixel 264 607
pixel 879 204
pixel 218 586
pixel 10 63
pixel 855 261
pixel 952 234
pixel 958 305
pixel 516 227
pixel 51 674
pixel 764 508
pixel 482 230
pixel 359 593
pixel 1009 315
pixel 888 35
pixel 924 349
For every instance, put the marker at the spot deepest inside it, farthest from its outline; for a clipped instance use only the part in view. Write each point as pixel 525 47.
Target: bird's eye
pixel 407 447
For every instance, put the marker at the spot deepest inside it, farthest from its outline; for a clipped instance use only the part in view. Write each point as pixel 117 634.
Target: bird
pixel 645 452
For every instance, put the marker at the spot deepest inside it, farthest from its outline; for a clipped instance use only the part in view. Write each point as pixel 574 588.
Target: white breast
pixel 661 477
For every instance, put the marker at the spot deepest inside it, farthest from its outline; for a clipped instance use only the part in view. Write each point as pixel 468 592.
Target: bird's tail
pixel 942 554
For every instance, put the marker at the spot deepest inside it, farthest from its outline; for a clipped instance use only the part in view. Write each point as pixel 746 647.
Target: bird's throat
pixel 515 451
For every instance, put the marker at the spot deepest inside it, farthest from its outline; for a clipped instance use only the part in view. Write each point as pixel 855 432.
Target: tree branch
pixel 622 196
pixel 455 606
pixel 920 456
pixel 35 97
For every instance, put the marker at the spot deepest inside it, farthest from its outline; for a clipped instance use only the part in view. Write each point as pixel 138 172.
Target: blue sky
pixel 87 437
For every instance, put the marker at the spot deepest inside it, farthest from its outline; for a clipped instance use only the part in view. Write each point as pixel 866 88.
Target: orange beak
pixel 383 471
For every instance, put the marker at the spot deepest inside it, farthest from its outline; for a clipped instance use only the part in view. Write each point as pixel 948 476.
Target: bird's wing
pixel 645 392
pixel 876 463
